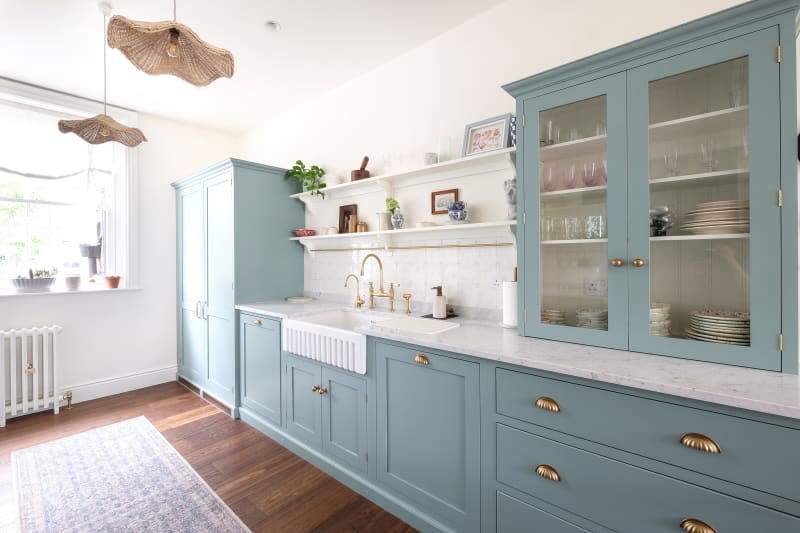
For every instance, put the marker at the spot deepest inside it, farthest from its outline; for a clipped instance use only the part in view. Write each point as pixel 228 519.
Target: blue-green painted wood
pixel 654 429
pixel 514 516
pixel 621 496
pixel 429 432
pixel 260 366
pixel 344 418
pixel 613 87
pixel 191 327
pixel 303 403
pixel 765 228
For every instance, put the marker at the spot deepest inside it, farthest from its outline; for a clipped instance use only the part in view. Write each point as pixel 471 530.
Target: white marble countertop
pixel 756 390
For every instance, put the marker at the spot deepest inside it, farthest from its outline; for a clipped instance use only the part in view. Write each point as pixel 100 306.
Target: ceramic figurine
pixel 397 219
pixel 510 188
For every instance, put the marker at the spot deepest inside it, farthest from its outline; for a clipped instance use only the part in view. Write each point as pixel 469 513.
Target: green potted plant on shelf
pixel 393 206
pixel 310 178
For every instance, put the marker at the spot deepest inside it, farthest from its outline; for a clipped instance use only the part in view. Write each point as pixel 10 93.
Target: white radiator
pixel 28 370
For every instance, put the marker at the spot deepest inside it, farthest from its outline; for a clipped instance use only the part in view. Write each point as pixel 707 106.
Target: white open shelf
pixel 587 144
pixel 710 236
pixel 712 122
pixel 386 183
pixel 703 178
pixel 476 230
pixel 580 190
pixel 574 241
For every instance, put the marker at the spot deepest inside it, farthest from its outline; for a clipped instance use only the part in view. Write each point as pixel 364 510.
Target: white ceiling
pixel 323 43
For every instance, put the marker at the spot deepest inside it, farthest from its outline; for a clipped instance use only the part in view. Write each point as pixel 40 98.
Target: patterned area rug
pixel 122 477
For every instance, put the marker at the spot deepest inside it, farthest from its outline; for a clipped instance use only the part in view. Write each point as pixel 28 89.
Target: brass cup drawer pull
pixel 548 472
pixel 315 388
pixel 421 359
pixel 698 441
pixel 323 390
pixel 257 322
pixel 693 525
pixel 548 404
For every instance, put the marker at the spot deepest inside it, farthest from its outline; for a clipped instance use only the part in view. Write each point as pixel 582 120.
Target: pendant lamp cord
pixel 105 77
pixel 174 10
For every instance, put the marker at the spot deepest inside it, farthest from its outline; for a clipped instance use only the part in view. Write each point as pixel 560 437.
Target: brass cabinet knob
pixel 698 441
pixel 323 390
pixel 617 262
pixel 548 404
pixel 638 262
pixel 257 322
pixel 548 472
pixel 315 388
pixel 693 525
pixel 421 359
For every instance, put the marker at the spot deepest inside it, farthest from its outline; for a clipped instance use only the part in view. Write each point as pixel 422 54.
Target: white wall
pixel 418 101
pixel 120 341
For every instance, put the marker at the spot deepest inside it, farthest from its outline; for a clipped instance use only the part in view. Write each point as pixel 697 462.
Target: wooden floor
pixel 269 487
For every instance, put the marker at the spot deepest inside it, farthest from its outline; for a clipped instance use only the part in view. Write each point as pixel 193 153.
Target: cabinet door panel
pixel 190 289
pixel 219 284
pixel 260 364
pixel 303 403
pixel 575 198
pixel 514 516
pixel 428 433
pixel 704 220
pixel 191 363
pixel 344 420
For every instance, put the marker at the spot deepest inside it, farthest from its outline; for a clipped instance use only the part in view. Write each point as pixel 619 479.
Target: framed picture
pixel 487 135
pixel 441 199
pixel 345 212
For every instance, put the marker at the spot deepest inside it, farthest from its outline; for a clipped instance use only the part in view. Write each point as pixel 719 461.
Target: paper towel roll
pixel 510 304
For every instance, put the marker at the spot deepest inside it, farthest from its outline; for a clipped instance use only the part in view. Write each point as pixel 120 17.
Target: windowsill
pixel 11 293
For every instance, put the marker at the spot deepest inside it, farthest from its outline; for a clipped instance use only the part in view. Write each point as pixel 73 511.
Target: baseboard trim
pixel 362 485
pixel 109 387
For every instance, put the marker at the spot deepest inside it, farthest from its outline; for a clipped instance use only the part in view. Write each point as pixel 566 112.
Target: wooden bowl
pixel 304 232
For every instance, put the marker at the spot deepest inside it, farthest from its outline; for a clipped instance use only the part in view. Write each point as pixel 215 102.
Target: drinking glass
pixel 549 179
pixel 708 155
pixel 671 162
pixel 595 227
pixel 569 176
pixel 573 134
pixel 592 175
pixel 573 229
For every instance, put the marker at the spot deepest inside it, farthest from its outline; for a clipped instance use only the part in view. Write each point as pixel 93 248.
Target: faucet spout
pixel 359 300
pixel 380 268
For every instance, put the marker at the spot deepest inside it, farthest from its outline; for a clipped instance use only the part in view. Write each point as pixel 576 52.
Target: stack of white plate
pixel 727 327
pixel 592 318
pixel 727 216
pixel 659 319
pixel 556 317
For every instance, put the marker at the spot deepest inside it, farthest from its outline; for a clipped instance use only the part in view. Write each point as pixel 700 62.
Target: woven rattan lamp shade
pixel 102 129
pixel 169 48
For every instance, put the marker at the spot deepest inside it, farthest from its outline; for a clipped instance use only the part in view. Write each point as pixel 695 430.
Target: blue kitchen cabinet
pixel 260 366
pixel 429 432
pixel 658 193
pixel 327 409
pixel 232 222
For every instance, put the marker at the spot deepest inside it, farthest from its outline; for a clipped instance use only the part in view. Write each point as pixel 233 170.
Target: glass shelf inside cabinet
pixel 699 205
pixel 573 207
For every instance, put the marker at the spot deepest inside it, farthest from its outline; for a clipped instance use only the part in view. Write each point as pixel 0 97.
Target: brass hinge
pixel 780 197
pixel 778 54
pixel 780 341
pixel 523 121
pixel 524 218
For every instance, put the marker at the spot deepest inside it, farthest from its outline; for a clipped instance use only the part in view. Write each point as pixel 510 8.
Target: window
pixel 63 202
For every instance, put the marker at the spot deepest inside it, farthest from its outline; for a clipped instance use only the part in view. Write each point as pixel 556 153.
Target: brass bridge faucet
pixel 381 292
pixel 359 300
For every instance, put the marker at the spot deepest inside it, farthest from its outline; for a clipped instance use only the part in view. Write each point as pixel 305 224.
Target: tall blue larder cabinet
pixel 233 228
pixel 658 184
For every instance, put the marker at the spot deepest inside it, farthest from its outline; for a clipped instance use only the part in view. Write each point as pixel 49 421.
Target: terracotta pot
pixel 112 282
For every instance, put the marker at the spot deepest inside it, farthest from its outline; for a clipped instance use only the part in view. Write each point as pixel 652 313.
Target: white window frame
pixel 122 258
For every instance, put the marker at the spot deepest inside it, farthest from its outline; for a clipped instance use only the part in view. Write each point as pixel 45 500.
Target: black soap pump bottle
pixel 439 303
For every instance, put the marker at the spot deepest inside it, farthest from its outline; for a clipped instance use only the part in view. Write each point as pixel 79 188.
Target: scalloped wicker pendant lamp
pixel 102 128
pixel 169 48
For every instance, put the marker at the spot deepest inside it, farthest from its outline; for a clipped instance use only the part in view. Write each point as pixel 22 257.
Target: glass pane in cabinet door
pixel 699 205
pixel 573 210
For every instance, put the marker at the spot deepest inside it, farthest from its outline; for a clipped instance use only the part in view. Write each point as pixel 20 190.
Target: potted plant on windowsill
pixel 37 280
pixel 310 178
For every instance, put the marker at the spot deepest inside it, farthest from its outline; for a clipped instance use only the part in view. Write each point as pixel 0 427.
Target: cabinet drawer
pixel 753 454
pixel 514 516
pixel 618 495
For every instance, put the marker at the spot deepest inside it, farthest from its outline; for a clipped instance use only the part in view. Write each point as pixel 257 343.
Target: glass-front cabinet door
pixel 704 215
pixel 575 185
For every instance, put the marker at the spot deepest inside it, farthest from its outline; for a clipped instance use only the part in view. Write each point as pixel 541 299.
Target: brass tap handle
pixel 323 390
pixel 391 297
pixel 548 472
pixel 371 296
pixel 421 359
pixel 698 441
pixel 548 404
pixel 693 525
pixel 407 298
pixel 359 301
pixel 315 388
pixel 638 262
pixel 617 262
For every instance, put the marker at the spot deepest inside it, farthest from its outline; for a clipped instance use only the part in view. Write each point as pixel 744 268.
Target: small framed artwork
pixel 441 199
pixel 345 212
pixel 487 135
